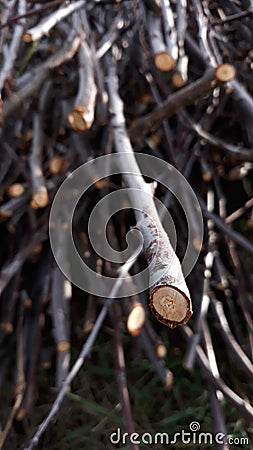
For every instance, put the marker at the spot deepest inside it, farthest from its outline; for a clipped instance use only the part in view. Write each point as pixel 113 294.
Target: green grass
pixel 92 411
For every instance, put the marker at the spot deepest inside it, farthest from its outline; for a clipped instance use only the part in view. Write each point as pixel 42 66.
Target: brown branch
pixel 239 212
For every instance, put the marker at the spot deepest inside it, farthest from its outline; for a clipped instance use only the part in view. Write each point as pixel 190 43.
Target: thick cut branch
pixel 162 59
pixel 169 295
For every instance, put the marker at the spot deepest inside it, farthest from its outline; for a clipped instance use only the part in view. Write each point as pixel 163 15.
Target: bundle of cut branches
pixel 169 79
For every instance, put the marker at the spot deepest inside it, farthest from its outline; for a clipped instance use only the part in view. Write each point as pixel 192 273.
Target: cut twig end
pixel 170 306
pixel 136 319
pixel 225 72
pixel 81 119
pixel 169 380
pixel 40 199
pixel 178 80
pixel 27 37
pixel 15 190
pixel 164 62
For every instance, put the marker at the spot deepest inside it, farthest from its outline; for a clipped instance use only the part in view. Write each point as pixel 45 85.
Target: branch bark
pixel 184 97
pixel 169 296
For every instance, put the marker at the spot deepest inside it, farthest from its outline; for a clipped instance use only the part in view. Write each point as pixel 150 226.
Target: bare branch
pixel 169 296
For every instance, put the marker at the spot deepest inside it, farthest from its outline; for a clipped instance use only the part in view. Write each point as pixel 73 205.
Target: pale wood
pixel 15 190
pixel 136 319
pixel 225 72
pixel 170 305
pixel 164 62
pixel 180 76
pixel 57 164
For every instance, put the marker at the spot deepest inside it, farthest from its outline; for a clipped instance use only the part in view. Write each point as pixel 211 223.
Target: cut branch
pixel 169 295
pixel 162 59
pixel 185 96
pixel 169 31
pixel 82 116
pixel 40 74
pixel 40 195
pixel 43 28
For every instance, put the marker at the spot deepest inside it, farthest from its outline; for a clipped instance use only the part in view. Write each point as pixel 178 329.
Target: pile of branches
pixel 170 79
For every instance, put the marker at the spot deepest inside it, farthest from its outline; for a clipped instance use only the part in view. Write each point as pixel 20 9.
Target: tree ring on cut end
pixel 170 305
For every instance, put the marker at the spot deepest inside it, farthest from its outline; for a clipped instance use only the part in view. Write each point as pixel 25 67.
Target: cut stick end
pixel 15 190
pixel 164 62
pixel 80 119
pixel 7 327
pixel 161 351
pixel 27 37
pixel 170 306
pixel 58 164
pixel 169 380
pixel 40 199
pixel 225 72
pixel 178 80
pixel 63 346
pixel 136 319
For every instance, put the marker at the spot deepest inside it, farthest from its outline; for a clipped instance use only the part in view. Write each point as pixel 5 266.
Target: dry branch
pixel 162 59
pixel 82 116
pixel 40 74
pixel 165 375
pixel 180 76
pixel 136 316
pixel 169 295
pixel 169 31
pixel 236 401
pixel 239 356
pixel 61 294
pixel 11 53
pixel 35 33
pixel 40 194
pixel 185 96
